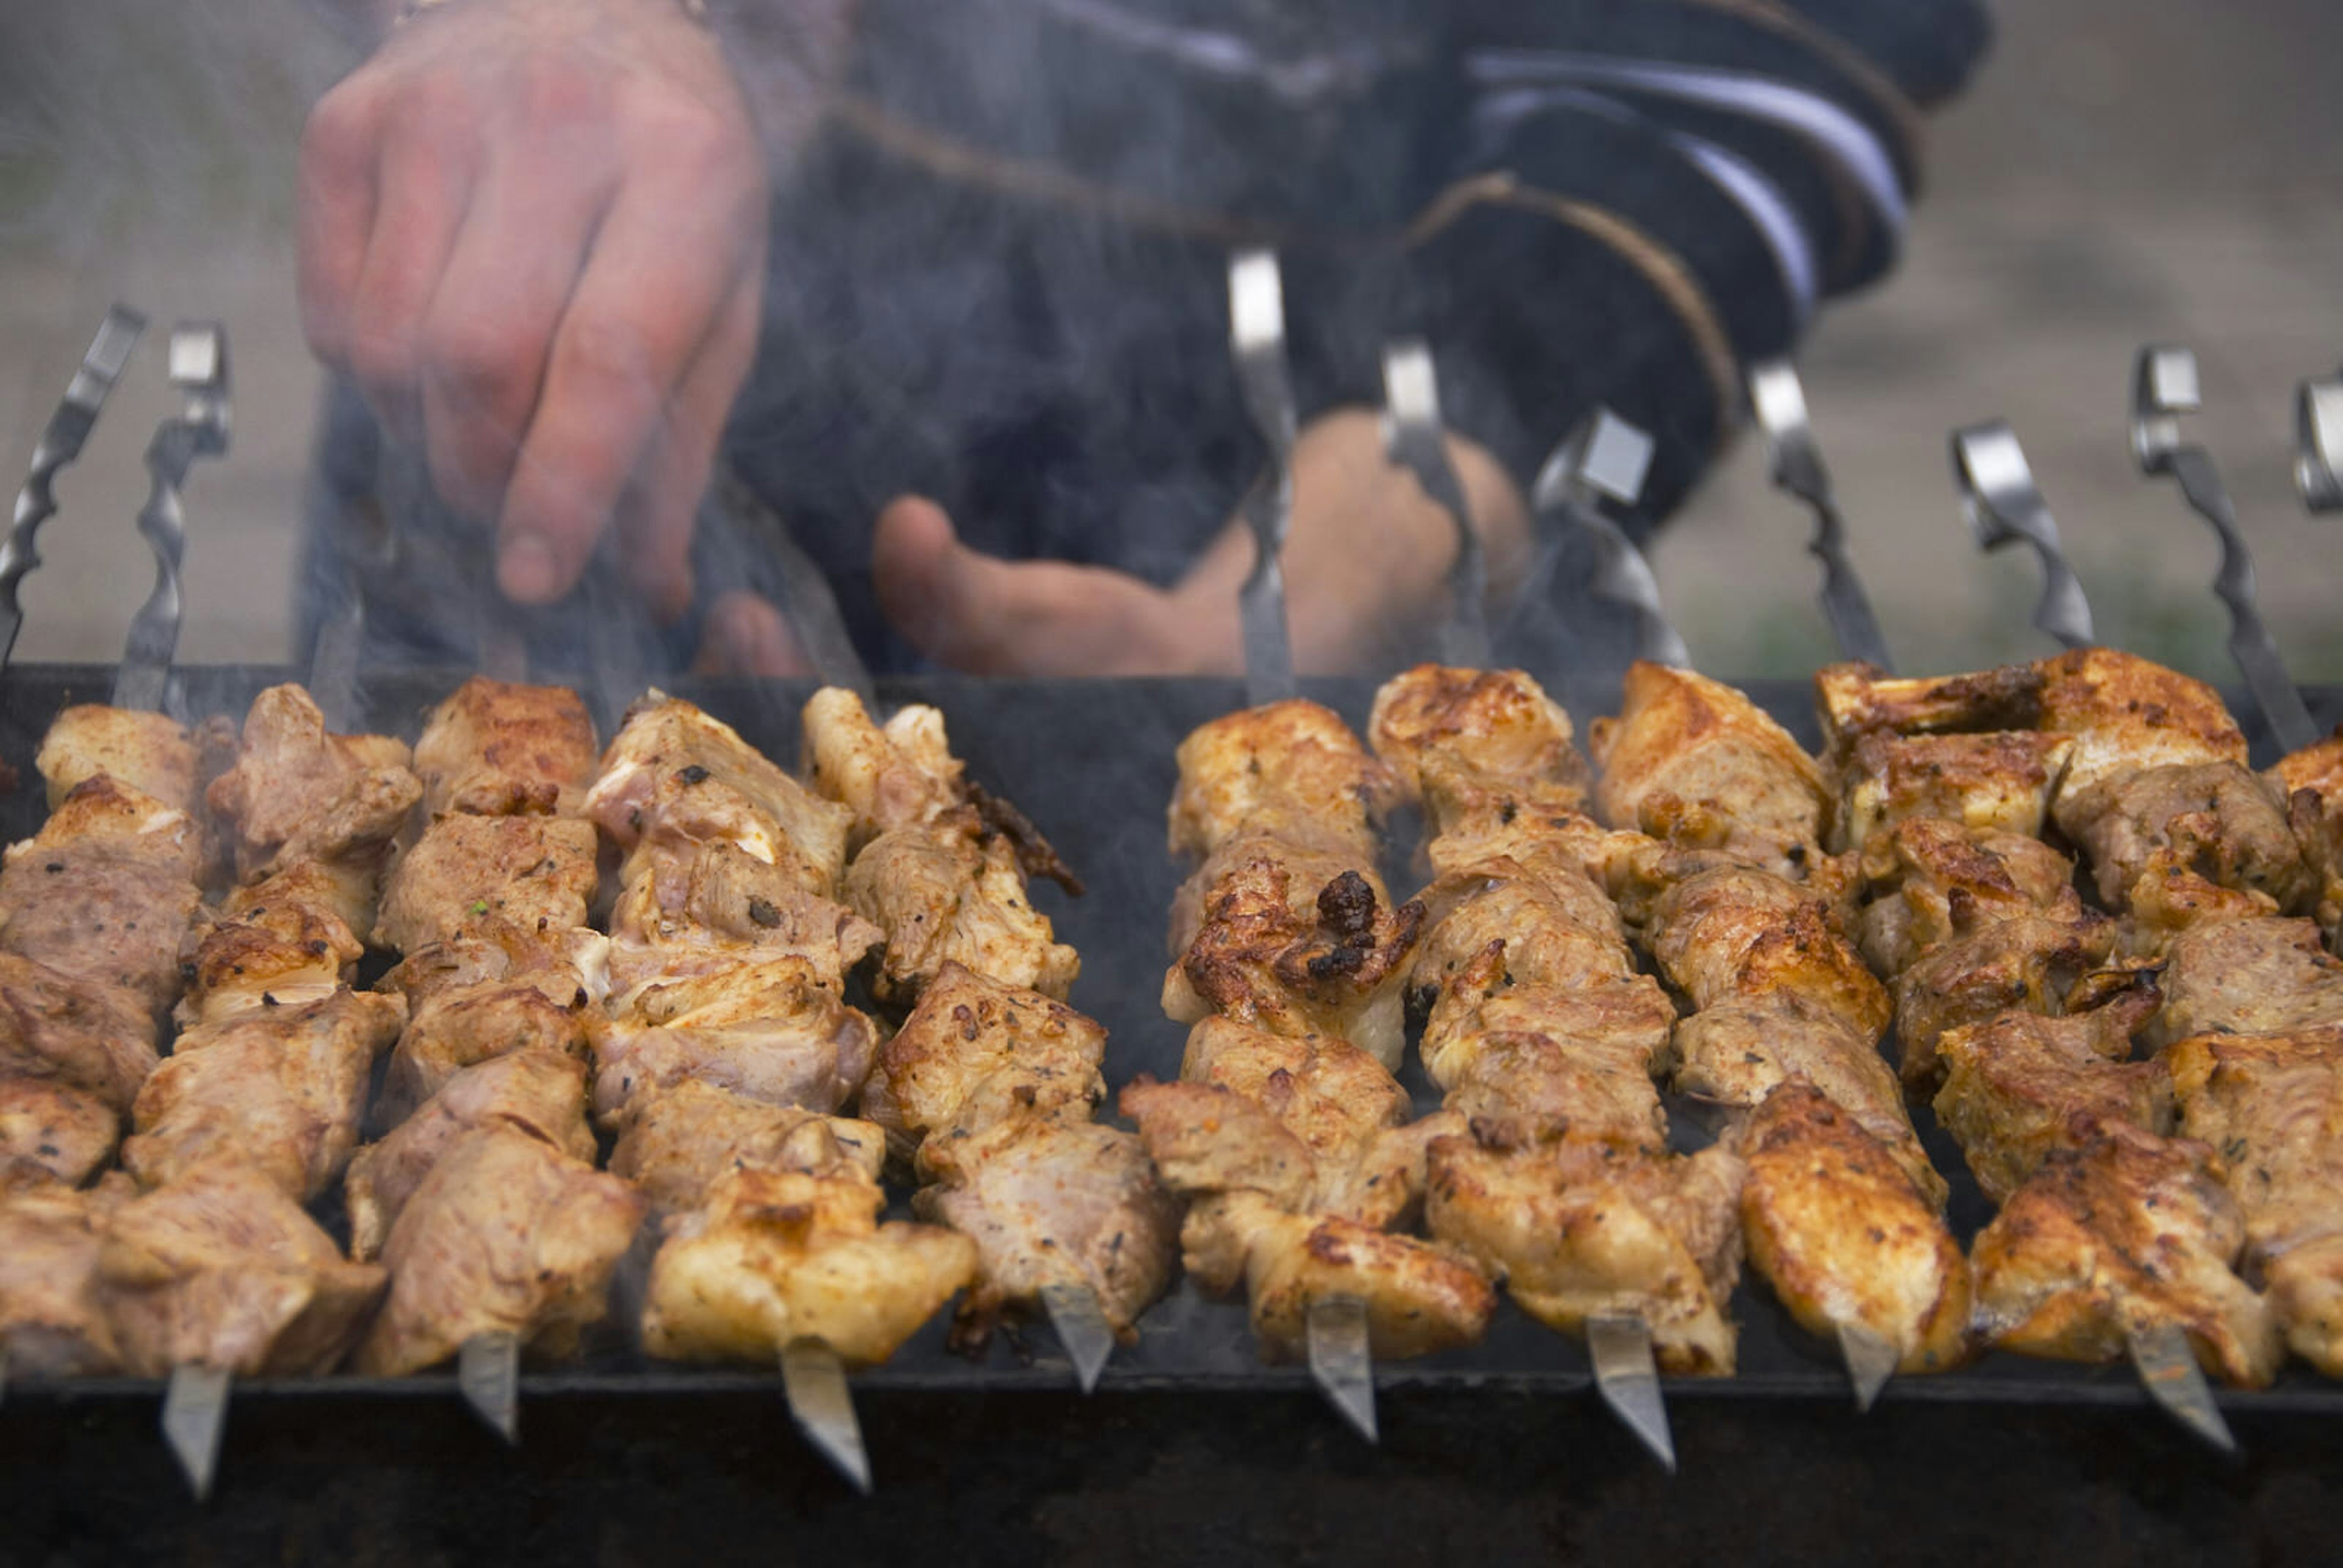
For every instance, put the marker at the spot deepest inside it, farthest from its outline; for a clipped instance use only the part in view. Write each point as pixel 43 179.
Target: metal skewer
pixel 1341 1362
pixel 1628 1377
pixel 2002 504
pixel 1083 1329
pixel 1780 402
pixel 59 445
pixel 487 1374
pixel 813 1377
pixel 1604 459
pixel 1871 1360
pixel 195 1414
pixel 1416 439
pixel 1257 338
pixel 2164 387
pixel 2168 1371
pixel 198 365
pixel 2318 444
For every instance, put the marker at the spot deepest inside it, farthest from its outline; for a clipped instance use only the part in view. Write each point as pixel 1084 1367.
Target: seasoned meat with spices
pixel 769 1031
pixel 674 1142
pixel 53 1317
pixel 1290 770
pixel 528 871
pixel 950 891
pixel 976 1050
pixel 2012 1084
pixel 496 750
pixel 902 775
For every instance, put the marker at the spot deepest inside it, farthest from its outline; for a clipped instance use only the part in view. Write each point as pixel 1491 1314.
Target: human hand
pixel 533 231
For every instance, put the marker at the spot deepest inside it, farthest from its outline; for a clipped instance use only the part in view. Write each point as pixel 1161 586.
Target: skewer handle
pixel 1257 342
pixel 2318 444
pixel 198 365
pixel 2003 506
pixel 1780 403
pixel 1603 459
pixel 1416 439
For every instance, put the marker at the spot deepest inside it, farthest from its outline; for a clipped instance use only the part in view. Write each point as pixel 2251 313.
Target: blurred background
pixel 2120 173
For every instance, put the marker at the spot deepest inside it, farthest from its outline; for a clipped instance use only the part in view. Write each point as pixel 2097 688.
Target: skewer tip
pixel 1082 1329
pixel 1628 1377
pixel 2168 1371
pixel 1342 1361
pixel 1870 1360
pixel 813 1377
pixel 195 1415
pixel 487 1373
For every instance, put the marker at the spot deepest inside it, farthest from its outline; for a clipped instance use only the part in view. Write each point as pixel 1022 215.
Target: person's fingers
pixel 747 636
pixel 491 325
pixel 425 182
pixel 664 267
pixel 339 151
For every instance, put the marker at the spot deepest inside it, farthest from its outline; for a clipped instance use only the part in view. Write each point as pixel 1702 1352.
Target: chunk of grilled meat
pixel 949 890
pixel 2215 820
pixel 2273 1106
pixel 298 793
pixel 1693 762
pixel 674 1142
pixel 974 1052
pixel 1559 930
pixel 676 778
pixel 530 871
pixel 2318 826
pixel 2117 1232
pixel 540 1091
pixel 504 1235
pixel 1735 933
pixel 2012 1084
pixel 1577 1228
pixel 769 1031
pixel 220 1269
pixel 1290 770
pixel 2000 781
pixel 2031 963
pixel 52 1318
pixel 87 1036
pixel 901 776
pixel 479 998
pixel 150 752
pixel 778 1256
pixel 1835 1223
pixel 2126 715
pixel 2248 977
pixel 495 749
pixel 50 1132
pixel 103 894
pixel 1930 881
pixel 1854 700
pixel 2316 767
pixel 1469 745
pixel 716 908
pixel 279 942
pixel 279 1092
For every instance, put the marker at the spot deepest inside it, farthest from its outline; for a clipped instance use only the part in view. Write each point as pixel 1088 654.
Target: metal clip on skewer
pixel 1416 439
pixel 2165 386
pixel 2318 444
pixel 1604 459
pixel 1257 338
pixel 60 444
pixel 198 365
pixel 1780 402
pixel 2002 504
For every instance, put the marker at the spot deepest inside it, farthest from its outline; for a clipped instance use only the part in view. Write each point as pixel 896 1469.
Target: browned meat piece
pixel 505 1234
pixel 151 752
pixel 903 776
pixel 676 778
pixel 769 1031
pixel 51 1132
pixel 2120 1232
pixel 455 1024
pixel 975 1051
pixel 1932 881
pixel 2030 963
pixel 53 1321
pixel 2274 1108
pixel 2127 714
pixel 1692 760
pixel 220 1269
pixel 949 891
pixel 542 1092
pixel 1475 744
pixel 776 1256
pixel 2000 781
pixel 1277 947
pixel 673 1143
pixel 1290 771
pixel 718 907
pixel 1738 1053
pixel 494 749
pixel 1576 1229
pixel 1854 700
pixel 1551 846
pixel 2318 766
pixel 1735 933
pixel 1833 1224
pixel 104 893
pixel 1326 1091
pixel 1558 930
pixel 2170 899
pixel 2214 818
pixel 279 1092
pixel 2012 1084
pixel 277 942
pixel 2248 977
pixel 1050 1202
pixel 528 870
pixel 92 1037
pixel 2318 826
pixel 297 793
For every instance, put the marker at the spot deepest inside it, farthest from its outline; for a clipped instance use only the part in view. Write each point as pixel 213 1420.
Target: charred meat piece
pixel 528 870
pixel 1856 699
pixel 716 908
pixel 950 891
pixel 2012 1084
pixel 1288 771
pixel 2273 1106
pixel 542 1092
pixel 1695 762
pixel 2000 781
pixel 901 776
pixel 2031 963
pixel 1834 1223
pixel 103 894
pixel 2126 715
pixel 2316 767
pixel 1733 934
pixel 280 941
pixel 2249 977
pixel 280 1093
pixel 1469 745
pixel 494 749
pixel 220 1269
pixel 83 1035
pixel 778 1256
pixel 1931 881
pixel 50 1132
pixel 2216 819
pixel 2120 1232
pixel 152 753
pixel 673 1143
pixel 504 1235
pixel 1558 930
pixel 53 1317
pixel 771 1031
pixel 473 1001
pixel 976 1050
